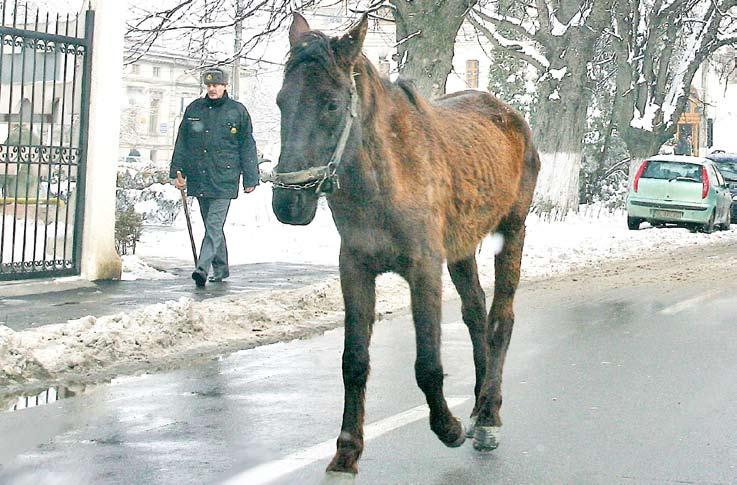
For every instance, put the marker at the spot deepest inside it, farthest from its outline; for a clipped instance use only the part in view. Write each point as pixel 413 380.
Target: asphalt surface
pixel 110 297
pixel 626 381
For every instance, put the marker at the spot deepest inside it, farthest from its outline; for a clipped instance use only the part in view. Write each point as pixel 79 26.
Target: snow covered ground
pixel 170 333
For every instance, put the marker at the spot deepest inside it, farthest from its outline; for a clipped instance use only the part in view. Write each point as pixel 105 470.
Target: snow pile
pixel 168 334
pixel 135 269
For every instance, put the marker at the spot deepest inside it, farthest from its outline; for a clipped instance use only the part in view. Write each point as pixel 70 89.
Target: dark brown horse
pixel 411 184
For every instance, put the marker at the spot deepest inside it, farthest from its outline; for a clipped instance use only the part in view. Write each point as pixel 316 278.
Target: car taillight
pixel 704 183
pixel 639 174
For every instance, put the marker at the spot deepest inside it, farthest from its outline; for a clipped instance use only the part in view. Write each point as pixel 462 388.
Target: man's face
pixel 215 91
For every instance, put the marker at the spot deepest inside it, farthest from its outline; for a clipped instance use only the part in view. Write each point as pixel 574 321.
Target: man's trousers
pixel 213 251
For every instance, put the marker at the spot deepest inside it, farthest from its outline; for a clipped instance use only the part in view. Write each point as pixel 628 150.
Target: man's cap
pixel 214 75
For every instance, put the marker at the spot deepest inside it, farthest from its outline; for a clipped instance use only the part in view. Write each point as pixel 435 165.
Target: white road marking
pixel 272 470
pixel 686 304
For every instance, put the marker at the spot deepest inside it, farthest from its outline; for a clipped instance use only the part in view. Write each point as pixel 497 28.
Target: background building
pixel 156 89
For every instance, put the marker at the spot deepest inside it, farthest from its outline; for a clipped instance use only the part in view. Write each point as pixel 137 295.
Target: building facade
pixel 156 89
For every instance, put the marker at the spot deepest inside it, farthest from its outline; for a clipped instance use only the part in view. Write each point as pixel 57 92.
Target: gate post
pixel 99 260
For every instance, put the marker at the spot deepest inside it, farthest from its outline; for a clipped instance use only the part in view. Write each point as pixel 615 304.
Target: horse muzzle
pixel 295 207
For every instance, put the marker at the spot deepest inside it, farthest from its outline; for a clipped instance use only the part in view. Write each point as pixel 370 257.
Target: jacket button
pixel 204 151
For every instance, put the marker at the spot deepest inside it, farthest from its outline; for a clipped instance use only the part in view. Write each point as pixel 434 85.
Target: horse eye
pixel 332 106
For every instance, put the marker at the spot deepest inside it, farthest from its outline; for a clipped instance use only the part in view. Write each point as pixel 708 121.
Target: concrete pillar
pixel 99 258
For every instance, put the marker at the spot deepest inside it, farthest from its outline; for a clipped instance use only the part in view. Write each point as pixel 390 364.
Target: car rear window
pixel 728 169
pixel 672 171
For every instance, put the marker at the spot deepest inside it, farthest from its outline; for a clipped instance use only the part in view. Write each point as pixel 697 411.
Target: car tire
pixel 708 227
pixel 633 223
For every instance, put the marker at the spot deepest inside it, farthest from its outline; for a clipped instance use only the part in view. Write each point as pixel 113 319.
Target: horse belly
pixel 475 214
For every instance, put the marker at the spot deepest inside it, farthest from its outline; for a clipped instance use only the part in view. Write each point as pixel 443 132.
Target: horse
pixel 411 184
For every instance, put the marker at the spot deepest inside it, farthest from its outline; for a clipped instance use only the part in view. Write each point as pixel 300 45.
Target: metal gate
pixel 44 106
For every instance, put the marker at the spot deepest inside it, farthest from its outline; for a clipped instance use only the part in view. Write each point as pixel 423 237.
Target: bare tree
pixel 426 35
pixel 557 38
pixel 202 27
pixel 659 47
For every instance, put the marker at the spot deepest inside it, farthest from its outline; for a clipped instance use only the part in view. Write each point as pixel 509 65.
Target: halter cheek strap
pixel 323 178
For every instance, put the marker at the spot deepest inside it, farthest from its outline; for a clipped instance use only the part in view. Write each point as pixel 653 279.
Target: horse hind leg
pixel 500 323
pixel 425 281
pixel 464 274
pixel 359 295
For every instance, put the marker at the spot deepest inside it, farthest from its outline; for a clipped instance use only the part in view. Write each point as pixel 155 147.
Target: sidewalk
pixel 110 297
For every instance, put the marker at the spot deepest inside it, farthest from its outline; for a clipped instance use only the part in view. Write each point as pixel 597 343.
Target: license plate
pixel 668 214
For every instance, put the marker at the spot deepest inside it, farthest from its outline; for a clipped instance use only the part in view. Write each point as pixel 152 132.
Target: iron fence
pixel 44 105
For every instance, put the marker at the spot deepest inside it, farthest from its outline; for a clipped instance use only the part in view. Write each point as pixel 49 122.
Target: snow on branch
pixel 402 41
pixel 527 50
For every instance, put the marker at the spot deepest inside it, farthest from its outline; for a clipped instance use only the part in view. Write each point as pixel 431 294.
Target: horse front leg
pixel 425 283
pixel 359 297
pixel 500 324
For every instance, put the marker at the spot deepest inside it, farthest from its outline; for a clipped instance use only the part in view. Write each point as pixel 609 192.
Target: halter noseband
pixel 323 178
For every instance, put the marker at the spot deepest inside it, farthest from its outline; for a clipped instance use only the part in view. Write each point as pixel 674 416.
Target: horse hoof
pixel 486 438
pixel 461 437
pixel 336 478
pixel 471 427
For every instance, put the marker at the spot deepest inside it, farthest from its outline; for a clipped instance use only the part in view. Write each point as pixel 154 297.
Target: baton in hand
pixel 180 179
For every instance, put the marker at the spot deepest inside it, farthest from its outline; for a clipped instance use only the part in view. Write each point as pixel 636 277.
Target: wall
pixel 99 258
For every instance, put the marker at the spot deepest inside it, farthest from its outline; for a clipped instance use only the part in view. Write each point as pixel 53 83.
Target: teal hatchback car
pixel 681 190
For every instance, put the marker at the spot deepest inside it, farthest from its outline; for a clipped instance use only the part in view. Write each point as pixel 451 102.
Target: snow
pixel 139 339
pixel 135 269
pixel 578 20
pixel 558 73
pixel 645 121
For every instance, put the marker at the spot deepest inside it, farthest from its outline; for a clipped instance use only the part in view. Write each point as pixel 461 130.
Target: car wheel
pixel 633 223
pixel 708 228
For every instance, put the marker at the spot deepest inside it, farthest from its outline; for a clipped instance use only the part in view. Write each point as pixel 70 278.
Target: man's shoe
pixel 216 279
pixel 199 279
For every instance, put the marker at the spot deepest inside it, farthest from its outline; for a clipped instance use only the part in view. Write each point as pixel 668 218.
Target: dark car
pixel 727 165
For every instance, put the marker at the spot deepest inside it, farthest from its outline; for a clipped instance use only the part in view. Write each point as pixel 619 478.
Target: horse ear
pixel 298 28
pixel 348 47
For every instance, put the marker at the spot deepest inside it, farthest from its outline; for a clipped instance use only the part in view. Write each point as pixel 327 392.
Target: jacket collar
pixel 216 102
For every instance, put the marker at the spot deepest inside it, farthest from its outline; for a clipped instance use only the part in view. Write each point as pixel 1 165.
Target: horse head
pixel 318 103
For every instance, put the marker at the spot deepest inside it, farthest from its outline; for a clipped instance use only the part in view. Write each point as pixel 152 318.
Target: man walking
pixel 214 147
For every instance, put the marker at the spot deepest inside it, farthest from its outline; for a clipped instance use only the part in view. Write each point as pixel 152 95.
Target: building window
pixel 472 73
pixel 153 156
pixel 384 67
pixel 135 69
pixel 153 118
pixel 157 71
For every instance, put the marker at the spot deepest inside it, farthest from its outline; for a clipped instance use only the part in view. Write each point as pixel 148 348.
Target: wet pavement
pixel 617 385
pixel 110 297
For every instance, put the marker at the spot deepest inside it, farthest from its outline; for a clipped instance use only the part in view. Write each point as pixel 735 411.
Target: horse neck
pixel 378 110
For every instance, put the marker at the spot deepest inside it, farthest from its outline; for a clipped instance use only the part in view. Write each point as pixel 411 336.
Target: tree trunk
pixel 558 127
pixel 426 33
pixel 559 123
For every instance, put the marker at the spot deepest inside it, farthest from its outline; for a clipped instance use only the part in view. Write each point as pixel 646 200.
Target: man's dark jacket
pixel 214 147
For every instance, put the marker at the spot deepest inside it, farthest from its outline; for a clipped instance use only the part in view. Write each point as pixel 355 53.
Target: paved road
pixel 626 375
pixel 109 297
